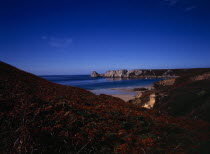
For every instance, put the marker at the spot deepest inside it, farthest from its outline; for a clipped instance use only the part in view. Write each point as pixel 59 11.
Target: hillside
pixel 37 116
pixel 187 96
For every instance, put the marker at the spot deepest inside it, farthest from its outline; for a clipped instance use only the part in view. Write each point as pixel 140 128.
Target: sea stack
pixel 94 74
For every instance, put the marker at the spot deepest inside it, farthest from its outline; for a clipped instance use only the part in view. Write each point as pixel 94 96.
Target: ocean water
pixel 100 85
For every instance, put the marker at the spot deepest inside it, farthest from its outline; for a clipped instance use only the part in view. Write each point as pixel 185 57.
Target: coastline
pixel 124 93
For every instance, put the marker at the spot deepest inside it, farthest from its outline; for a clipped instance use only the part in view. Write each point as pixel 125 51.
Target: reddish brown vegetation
pixel 39 116
pixel 188 96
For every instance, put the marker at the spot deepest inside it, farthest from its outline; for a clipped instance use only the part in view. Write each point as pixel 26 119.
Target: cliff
pixel 37 116
pixel 153 73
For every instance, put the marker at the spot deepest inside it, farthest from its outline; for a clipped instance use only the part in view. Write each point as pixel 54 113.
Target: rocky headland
pixel 148 73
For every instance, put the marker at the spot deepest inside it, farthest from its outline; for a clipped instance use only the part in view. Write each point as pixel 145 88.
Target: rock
pixel 110 73
pixel 138 72
pixel 117 74
pixel 135 73
pixel 121 73
pixel 94 74
pixel 151 102
pixel 130 73
pixel 168 73
pixel 149 74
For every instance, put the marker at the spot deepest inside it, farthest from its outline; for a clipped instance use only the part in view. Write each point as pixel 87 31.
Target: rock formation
pixel 110 73
pixel 94 74
pixel 148 73
pixel 117 74
pixel 151 102
pixel 169 73
pixel 136 73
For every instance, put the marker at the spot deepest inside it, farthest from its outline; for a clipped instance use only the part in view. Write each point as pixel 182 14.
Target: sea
pixel 100 85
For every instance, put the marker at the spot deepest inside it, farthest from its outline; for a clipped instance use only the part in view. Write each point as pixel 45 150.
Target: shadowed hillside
pixel 187 96
pixel 38 116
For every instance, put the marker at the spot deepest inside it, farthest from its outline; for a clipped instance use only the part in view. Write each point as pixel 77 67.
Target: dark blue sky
pixel 79 36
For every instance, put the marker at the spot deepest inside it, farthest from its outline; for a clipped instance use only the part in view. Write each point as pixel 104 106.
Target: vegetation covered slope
pixel 38 116
pixel 187 96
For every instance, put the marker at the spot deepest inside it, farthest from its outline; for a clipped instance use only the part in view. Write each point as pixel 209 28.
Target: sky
pixel 61 37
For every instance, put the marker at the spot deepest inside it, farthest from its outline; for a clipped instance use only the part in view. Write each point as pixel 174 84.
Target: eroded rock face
pixel 110 73
pixel 130 73
pixel 121 73
pixel 94 74
pixel 138 72
pixel 168 73
pixel 141 73
pixel 153 73
pixel 145 100
pixel 151 102
pixel 117 74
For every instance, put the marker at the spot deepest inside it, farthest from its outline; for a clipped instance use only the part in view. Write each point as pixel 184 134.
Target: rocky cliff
pixel 152 73
pixel 117 73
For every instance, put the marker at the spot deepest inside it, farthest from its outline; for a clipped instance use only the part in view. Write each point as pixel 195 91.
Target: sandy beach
pixel 124 97
pixel 125 93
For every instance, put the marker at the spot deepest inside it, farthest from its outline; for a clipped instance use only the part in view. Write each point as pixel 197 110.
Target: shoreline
pixel 124 93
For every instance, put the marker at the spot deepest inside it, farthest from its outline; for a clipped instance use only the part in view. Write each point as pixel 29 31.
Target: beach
pixel 124 93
